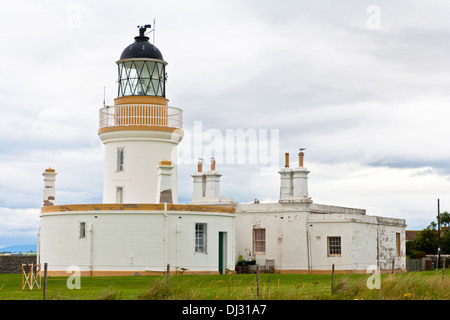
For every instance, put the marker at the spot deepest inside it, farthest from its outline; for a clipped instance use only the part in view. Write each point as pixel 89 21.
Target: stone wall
pixel 13 263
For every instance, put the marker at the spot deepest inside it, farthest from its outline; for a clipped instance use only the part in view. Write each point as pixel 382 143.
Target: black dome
pixel 141 48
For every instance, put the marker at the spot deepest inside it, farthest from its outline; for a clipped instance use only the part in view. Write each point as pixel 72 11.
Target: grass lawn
pixel 429 285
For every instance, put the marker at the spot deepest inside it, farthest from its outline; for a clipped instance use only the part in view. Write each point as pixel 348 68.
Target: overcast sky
pixel 362 85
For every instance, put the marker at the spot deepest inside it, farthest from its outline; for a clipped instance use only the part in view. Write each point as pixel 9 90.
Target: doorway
pixel 222 252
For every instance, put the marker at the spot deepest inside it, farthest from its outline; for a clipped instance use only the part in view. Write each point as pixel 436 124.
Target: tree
pixel 445 242
pixel 426 241
pixel 444 218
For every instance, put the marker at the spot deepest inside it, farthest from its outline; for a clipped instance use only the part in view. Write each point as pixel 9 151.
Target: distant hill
pixel 24 248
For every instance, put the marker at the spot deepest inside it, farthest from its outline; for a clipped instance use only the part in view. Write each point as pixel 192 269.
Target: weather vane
pixel 144 28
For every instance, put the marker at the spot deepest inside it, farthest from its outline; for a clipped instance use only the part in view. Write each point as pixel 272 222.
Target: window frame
pixel 120 157
pixel 119 191
pixel 200 237
pixel 259 243
pixel 334 249
pixel 398 243
pixel 82 230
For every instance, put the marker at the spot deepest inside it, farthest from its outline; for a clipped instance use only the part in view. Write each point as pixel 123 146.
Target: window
pixel 397 243
pixel 334 246
pixel 82 229
pixel 120 159
pixel 200 237
pixel 259 241
pixel 119 194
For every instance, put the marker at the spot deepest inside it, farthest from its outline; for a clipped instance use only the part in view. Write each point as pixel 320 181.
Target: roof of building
pixel 141 48
pixel 411 234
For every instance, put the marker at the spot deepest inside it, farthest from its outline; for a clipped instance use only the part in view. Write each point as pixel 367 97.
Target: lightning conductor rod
pixel 154 30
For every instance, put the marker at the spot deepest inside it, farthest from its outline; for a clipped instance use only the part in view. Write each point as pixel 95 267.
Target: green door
pixel 222 243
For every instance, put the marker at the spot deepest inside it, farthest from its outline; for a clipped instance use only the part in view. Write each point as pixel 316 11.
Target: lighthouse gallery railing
pixel 141 115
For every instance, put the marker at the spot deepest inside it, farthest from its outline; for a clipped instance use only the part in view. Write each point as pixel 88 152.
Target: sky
pixel 363 86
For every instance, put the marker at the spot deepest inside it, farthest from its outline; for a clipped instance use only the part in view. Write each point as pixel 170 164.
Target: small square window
pixel 334 246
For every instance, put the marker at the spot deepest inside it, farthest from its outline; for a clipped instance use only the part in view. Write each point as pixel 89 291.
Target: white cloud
pixel 18 226
pixel 374 101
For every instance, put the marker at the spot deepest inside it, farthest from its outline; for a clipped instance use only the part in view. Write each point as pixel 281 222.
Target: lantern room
pixel 141 69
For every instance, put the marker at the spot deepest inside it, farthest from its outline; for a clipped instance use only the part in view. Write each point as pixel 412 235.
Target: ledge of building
pixel 327 209
pixel 136 207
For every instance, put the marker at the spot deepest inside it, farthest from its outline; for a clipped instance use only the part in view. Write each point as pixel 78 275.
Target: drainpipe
pixel 177 246
pixel 308 247
pixel 166 232
pixel 91 247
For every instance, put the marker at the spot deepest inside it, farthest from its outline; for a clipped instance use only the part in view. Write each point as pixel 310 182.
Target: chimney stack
pixel 212 179
pixel 294 181
pixel 164 188
pixel 199 182
pixel 49 187
pixel 286 179
pixel 300 178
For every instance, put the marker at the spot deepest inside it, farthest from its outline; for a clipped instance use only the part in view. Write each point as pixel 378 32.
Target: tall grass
pixel 409 286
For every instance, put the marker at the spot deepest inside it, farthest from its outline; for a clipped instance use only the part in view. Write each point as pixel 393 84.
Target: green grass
pixel 428 285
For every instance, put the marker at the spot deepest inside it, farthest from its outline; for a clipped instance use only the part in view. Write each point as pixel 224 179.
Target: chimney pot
pixel 300 159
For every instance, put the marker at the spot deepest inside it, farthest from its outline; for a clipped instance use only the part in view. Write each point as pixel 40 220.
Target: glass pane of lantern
pixel 141 77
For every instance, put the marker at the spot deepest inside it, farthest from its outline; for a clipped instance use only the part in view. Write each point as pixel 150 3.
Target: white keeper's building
pixel 141 228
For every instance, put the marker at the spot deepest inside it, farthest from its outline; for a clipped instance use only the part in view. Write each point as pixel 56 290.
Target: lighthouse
pixel 140 131
pixel 140 229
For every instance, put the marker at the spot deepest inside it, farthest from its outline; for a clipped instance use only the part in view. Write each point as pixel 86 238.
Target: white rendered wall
pixel 143 150
pixel 133 241
pixel 322 226
pixel 285 233
pixel 297 239
pixel 365 241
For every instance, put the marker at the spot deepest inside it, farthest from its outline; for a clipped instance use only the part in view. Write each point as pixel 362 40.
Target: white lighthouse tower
pixel 140 132
pixel 139 227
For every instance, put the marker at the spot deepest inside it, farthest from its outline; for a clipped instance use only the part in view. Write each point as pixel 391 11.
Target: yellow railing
pixel 141 115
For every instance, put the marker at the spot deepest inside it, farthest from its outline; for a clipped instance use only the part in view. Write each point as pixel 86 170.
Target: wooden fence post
pixel 168 273
pixel 332 278
pixel 257 280
pixel 393 265
pixel 45 281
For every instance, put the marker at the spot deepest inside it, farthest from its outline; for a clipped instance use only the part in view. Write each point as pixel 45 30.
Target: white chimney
pixel 285 180
pixel 49 187
pixel 300 179
pixel 164 188
pixel 212 181
pixel 199 182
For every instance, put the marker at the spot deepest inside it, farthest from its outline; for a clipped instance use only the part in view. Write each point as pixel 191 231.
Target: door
pixel 222 253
